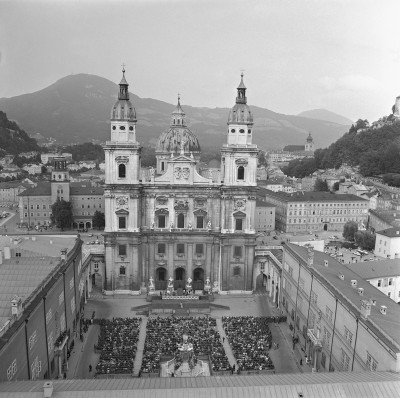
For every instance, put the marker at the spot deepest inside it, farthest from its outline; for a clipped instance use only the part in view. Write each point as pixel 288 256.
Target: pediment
pixel 200 212
pixel 122 212
pixel 161 211
pixel 239 214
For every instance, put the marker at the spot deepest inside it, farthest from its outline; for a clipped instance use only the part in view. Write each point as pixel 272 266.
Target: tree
pixel 98 220
pixel 365 239
pixel 349 230
pixel 62 214
pixel 321 185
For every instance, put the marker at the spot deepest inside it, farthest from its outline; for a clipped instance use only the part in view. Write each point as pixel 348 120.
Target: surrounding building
pixel 35 203
pixel 387 243
pixel 384 275
pixel 341 321
pixel 383 219
pixel 172 222
pixel 43 288
pixel 9 191
pixel 315 211
pixel 265 217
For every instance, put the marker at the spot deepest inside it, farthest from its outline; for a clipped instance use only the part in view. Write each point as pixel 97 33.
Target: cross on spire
pixel 123 68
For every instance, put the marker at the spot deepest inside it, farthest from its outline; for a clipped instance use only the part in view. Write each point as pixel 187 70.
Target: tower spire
pixel 123 86
pixel 241 91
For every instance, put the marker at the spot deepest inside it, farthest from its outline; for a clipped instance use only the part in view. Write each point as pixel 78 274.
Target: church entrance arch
pixel 179 281
pixel 198 279
pixel 261 281
pixel 88 225
pixel 325 227
pixel 161 279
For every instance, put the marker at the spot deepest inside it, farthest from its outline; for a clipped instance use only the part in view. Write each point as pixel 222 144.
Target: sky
pixel 297 55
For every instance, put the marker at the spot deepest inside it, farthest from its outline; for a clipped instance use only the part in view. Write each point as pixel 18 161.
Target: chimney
pixel 365 308
pixel 360 291
pixel 373 301
pixel 63 254
pixel 7 253
pixel 383 309
pixel 310 256
pixel 353 283
pixel 48 389
pixel 16 306
pixel 341 277
pixel 326 263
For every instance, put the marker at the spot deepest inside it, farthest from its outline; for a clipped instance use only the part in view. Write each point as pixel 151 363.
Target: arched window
pixel 240 173
pixel 121 171
pixel 181 220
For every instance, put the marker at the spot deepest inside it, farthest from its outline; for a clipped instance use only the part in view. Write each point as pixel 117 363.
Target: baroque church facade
pixel 175 221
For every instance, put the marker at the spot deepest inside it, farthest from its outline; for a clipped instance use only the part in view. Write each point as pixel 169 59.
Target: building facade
pixel 35 203
pixel 172 222
pixel 342 322
pixel 315 211
pixel 387 243
pixel 265 217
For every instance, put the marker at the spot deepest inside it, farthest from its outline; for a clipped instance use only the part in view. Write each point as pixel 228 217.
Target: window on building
pixel 181 221
pixel 390 281
pixel 162 166
pixel 314 298
pixel 121 171
pixel 18 254
pixel 161 248
pixel 236 271
pixel 323 359
pixel 240 173
pixel 121 222
pixel 199 222
pixel 199 248
pixel 385 282
pixel 348 335
pixel 329 314
pixel 379 282
pixel 161 221
pixel 389 294
pixel 237 251
pixel 238 224
pixel 345 361
pixel 122 271
pixel 122 250
pixel 371 362
pixel 180 248
pixel 327 338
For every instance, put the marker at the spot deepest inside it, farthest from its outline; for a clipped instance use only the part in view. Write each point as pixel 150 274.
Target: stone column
pixel 189 271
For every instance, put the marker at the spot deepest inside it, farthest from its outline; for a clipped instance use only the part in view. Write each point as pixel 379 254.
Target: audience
pixel 117 342
pixel 250 339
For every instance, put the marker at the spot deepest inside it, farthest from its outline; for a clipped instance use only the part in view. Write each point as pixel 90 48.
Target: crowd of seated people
pixel 164 334
pixel 117 345
pixel 250 340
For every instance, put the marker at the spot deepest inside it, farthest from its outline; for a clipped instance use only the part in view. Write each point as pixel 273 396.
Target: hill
pixel 323 114
pixel 76 108
pixel 13 139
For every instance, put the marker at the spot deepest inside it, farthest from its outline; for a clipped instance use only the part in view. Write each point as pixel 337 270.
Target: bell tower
pixel 239 155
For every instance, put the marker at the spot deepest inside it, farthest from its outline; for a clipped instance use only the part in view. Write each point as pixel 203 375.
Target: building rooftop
pixel 389 216
pixel 377 269
pixel 42 189
pixel 326 385
pixel 21 276
pixel 305 196
pixel 385 326
pixel 260 203
pixel 79 188
pixel 390 232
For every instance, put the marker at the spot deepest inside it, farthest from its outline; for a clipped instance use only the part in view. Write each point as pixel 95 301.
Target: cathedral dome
pixel 171 139
pixel 240 113
pixel 123 109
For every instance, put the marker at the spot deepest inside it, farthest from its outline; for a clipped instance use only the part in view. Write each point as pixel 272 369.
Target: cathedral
pixel 174 221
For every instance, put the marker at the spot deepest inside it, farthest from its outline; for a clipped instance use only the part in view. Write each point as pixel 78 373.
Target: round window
pixel 122 127
pixel 113 127
pixel 249 131
pixel 233 131
pixel 241 131
pixel 131 128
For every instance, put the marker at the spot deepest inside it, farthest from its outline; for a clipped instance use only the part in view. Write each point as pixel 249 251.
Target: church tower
pixel 60 180
pixel 122 196
pixel 239 155
pixel 309 147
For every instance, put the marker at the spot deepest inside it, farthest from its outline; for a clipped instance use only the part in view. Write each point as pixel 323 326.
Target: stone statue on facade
pixel 151 285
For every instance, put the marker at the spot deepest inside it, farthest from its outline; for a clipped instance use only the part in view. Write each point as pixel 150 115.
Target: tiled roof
pixel 323 385
pixel 376 269
pixel 305 196
pixel 79 188
pixel 42 189
pixel 382 325
pixel 390 232
pixel 260 203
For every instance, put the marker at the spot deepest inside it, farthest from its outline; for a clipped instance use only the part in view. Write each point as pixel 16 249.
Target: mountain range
pixel 76 109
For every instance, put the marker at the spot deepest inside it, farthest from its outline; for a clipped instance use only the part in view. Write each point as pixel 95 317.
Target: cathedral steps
pixel 227 347
pixel 140 347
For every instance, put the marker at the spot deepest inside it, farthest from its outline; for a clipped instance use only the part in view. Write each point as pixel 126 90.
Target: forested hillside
pixel 13 139
pixel 376 149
